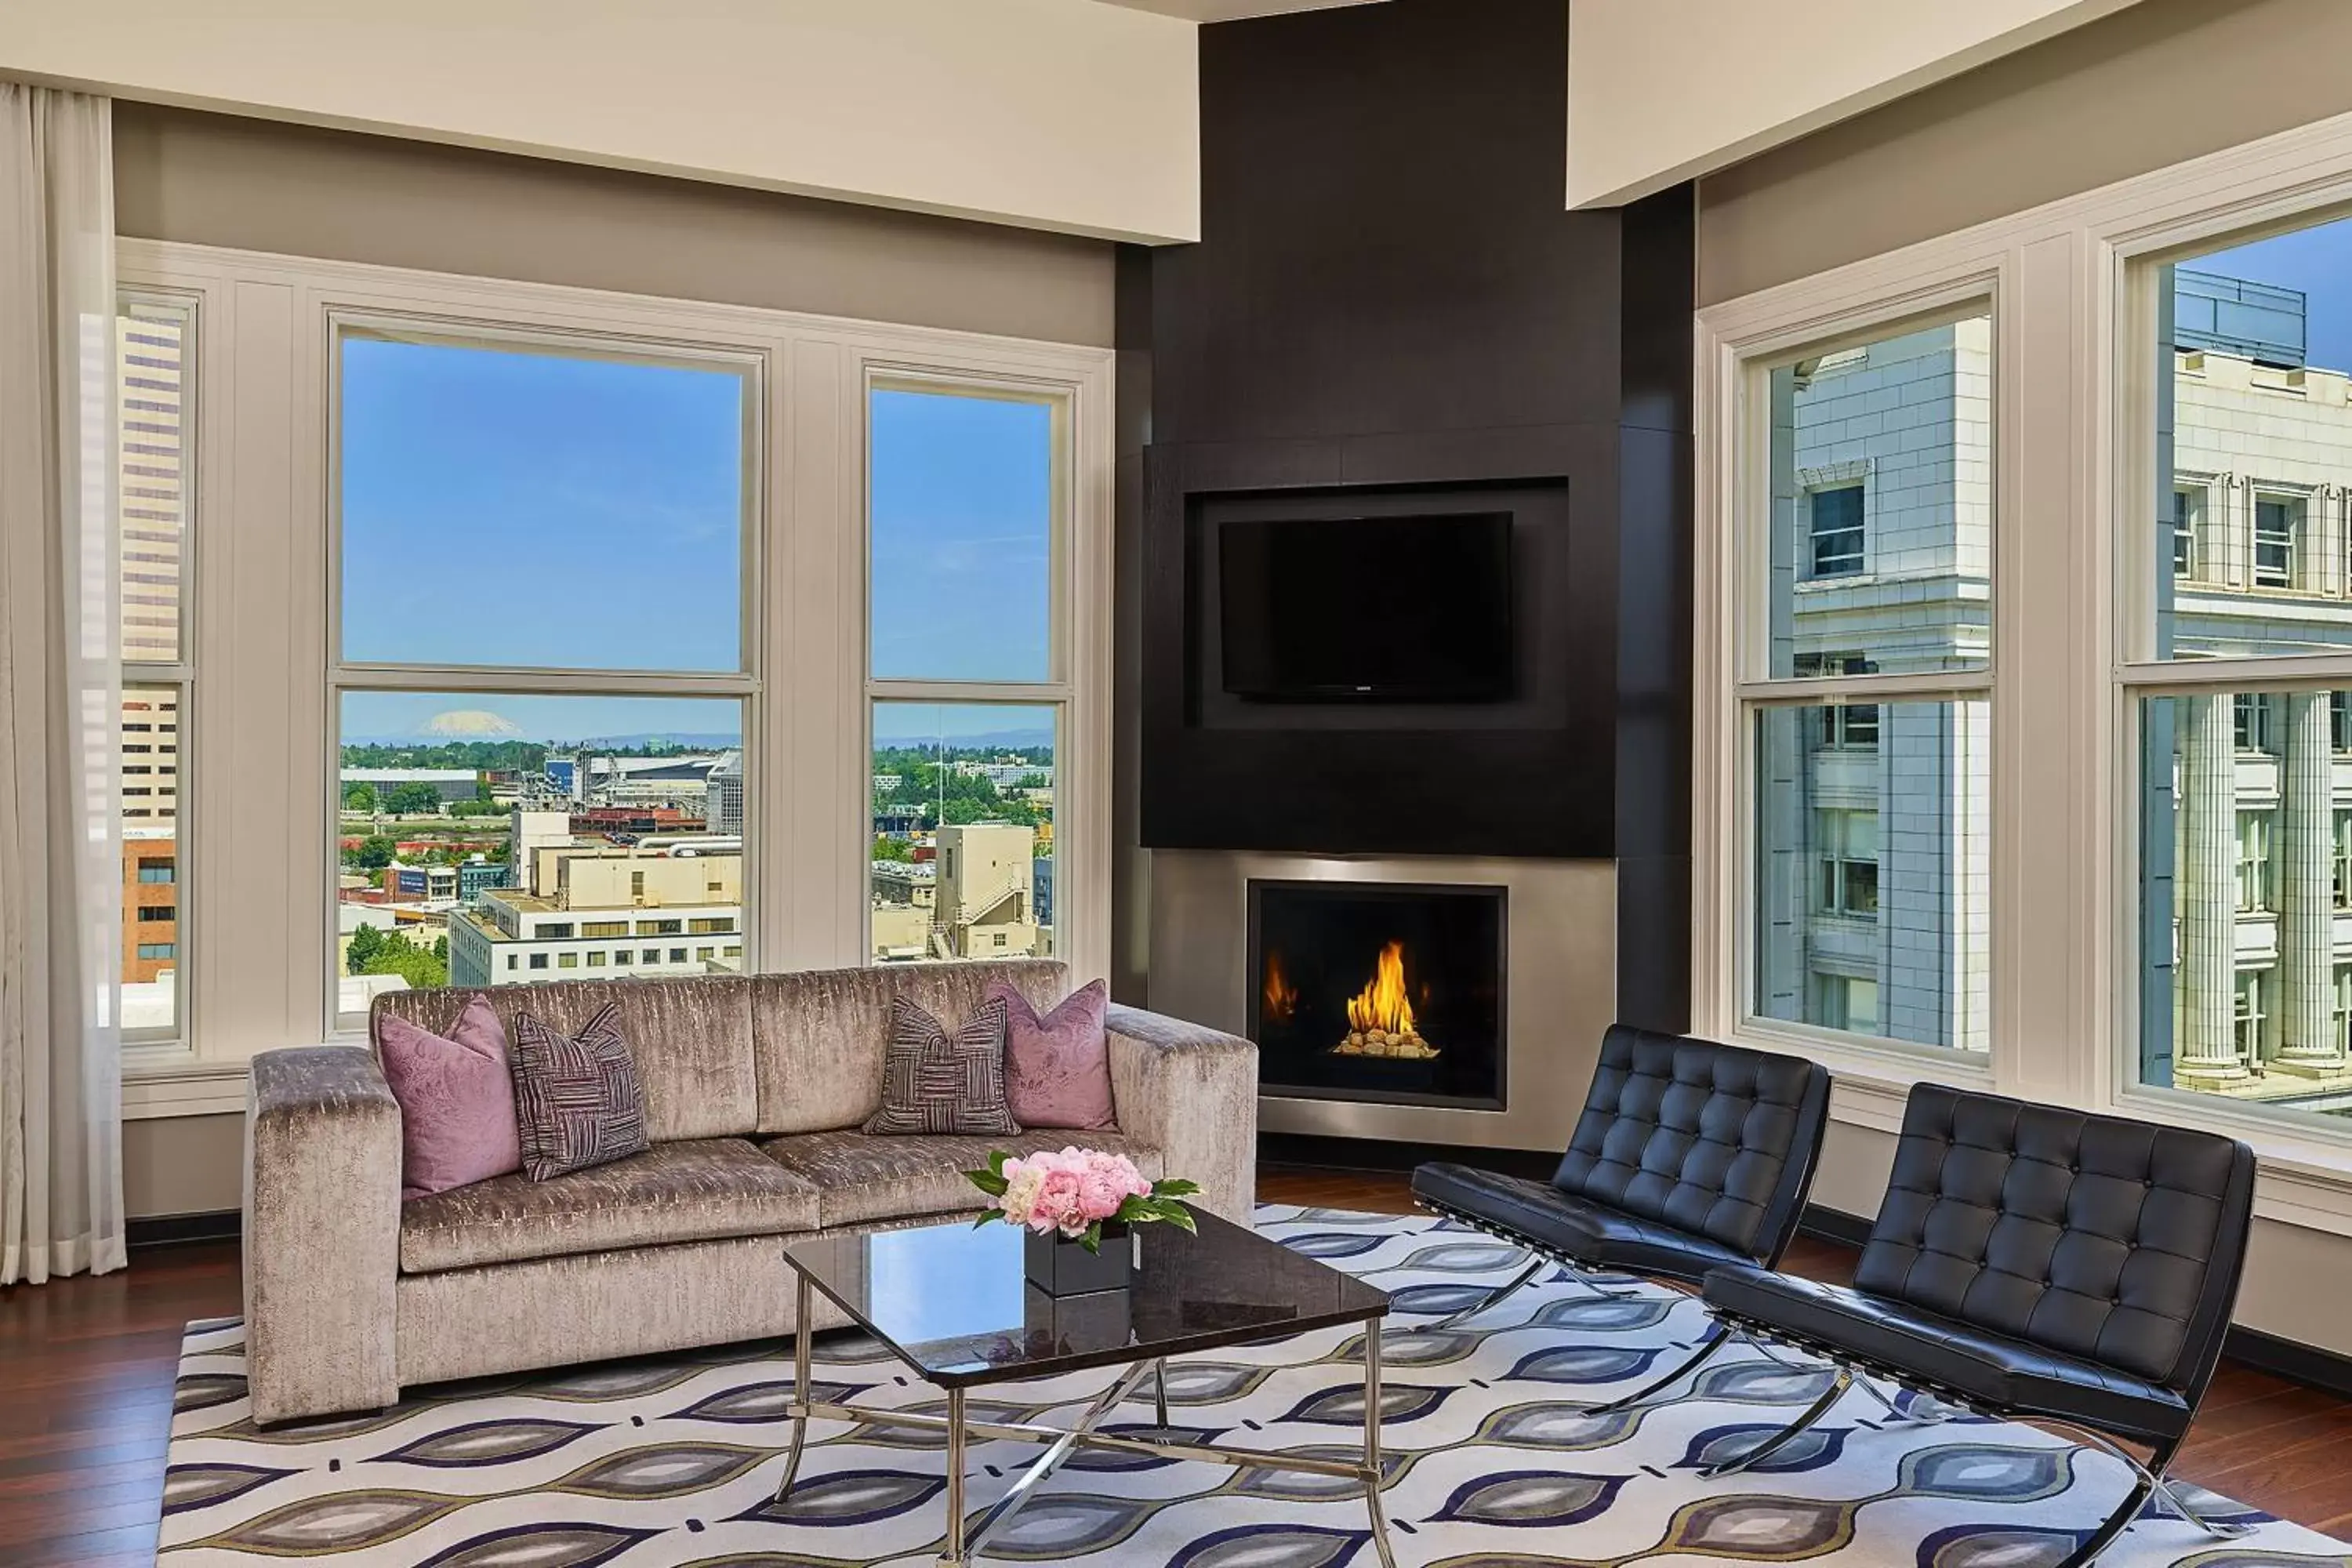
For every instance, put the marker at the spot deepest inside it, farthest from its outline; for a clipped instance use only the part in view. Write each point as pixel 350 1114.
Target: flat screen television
pixel 1366 609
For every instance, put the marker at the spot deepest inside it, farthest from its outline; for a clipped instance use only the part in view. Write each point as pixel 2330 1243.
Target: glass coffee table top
pixel 956 1305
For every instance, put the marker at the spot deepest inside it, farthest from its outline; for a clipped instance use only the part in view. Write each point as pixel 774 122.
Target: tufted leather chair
pixel 2034 1261
pixel 1688 1155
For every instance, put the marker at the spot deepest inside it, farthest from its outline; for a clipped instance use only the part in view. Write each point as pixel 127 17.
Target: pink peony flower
pixel 1059 1206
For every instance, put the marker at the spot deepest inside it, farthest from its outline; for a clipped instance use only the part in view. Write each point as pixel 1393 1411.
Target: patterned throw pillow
pixel 935 1083
pixel 577 1100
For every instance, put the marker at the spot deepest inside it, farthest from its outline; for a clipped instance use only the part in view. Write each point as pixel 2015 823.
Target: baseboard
pixel 176 1229
pixel 1324 1152
pixel 1834 1224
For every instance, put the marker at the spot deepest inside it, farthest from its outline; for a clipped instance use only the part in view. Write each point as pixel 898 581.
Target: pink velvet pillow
pixel 1057 1067
pixel 457 1101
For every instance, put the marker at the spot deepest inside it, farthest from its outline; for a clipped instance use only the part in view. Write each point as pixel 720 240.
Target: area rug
pixel 657 1463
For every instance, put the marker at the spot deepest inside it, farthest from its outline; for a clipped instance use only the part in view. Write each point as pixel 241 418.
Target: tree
pixel 411 797
pixel 360 795
pixel 375 853
pixel 366 944
pixel 888 848
pixel 395 955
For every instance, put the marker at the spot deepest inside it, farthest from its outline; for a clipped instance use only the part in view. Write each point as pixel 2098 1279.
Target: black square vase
pixel 1061 1267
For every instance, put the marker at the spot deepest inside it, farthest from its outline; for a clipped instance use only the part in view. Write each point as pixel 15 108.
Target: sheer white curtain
pixel 60 692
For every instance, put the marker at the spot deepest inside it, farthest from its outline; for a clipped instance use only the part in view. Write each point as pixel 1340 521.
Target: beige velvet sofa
pixel 755 1088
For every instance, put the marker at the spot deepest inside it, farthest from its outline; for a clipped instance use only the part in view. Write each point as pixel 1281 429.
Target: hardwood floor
pixel 87 1365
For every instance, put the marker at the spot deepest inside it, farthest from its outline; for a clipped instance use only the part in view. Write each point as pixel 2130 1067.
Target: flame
pixel 1382 1004
pixel 1280 996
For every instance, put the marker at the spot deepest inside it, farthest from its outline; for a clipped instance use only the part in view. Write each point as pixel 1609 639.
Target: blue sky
pixel 2316 260
pixel 512 508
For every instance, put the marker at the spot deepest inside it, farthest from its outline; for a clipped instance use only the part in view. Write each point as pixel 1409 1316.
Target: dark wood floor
pixel 86 1370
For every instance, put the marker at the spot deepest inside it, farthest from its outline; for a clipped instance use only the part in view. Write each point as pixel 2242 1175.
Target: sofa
pixel 755 1088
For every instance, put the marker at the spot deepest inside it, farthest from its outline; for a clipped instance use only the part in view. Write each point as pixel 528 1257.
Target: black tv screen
pixel 1367 609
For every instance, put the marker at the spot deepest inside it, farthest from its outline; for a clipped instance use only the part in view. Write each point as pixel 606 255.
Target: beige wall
pixel 1054 114
pixel 215 179
pixel 183 1164
pixel 1666 90
pixel 2161 82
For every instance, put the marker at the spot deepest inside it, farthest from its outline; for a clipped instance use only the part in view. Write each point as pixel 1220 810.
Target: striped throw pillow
pixel 577 1098
pixel 936 1083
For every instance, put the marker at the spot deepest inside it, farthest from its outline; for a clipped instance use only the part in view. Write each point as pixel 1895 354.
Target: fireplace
pixel 1384 992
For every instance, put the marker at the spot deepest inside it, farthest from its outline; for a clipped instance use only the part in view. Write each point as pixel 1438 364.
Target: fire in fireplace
pixel 1379 991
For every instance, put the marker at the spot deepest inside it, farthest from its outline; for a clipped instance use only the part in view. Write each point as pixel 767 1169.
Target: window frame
pixel 744 686
pixel 171 1049
pixel 256 949
pixel 1734 685
pixel 1076 686
pixel 2075 337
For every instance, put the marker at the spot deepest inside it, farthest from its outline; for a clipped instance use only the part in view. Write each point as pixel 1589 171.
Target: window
pixel 2188 516
pixel 677 956
pixel 2249 719
pixel 1849 841
pixel 1837 531
pixel 2243 851
pixel 2278 524
pixel 966 495
pixel 155 415
pixel 613 487
pixel 2253 862
pixel 596 960
pixel 1866 865
pixel 623 955
pixel 2246 1018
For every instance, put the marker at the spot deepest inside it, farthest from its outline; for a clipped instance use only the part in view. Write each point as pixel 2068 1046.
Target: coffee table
pixel 954 1305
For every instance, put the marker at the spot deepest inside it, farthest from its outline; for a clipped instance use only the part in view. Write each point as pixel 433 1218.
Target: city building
pixel 1873 818
pixel 425 882
pixel 151 753
pixel 723 801
pixel 151 902
pixel 985 907
pixel 449 784
pixel 478 876
pixel 603 911
pixel 152 465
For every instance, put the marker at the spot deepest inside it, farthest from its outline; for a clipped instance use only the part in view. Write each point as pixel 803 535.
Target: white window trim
pixel 2069 340
pixel 262 592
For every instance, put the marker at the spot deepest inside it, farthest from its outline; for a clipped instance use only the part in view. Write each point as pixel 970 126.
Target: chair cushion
pixel 861 1177
pixel 672 1192
pixel 2008 1376
pixel 1571 1226
pixel 1713 1140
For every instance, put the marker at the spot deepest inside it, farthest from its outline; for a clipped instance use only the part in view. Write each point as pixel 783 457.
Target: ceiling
pixel 1228 10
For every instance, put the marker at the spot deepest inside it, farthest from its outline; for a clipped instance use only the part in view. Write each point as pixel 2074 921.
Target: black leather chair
pixel 2030 1261
pixel 1689 1155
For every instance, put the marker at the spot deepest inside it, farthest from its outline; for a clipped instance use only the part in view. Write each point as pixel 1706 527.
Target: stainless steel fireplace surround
pixel 1559 992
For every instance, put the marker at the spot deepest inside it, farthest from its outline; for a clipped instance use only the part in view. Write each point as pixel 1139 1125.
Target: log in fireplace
pixel 1388 992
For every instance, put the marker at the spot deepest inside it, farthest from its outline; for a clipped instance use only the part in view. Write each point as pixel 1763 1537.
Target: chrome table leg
pixel 1374 1476
pixel 1017 1496
pixel 952 1554
pixel 1159 1393
pixel 802 1330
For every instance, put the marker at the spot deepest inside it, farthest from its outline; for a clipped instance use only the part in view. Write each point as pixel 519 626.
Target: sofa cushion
pixel 818 1036
pixel 690 1038
pixel 672 1192
pixel 578 1102
pixel 933 1081
pixel 860 1179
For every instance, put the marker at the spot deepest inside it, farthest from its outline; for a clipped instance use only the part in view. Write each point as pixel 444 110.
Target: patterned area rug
pixel 657 1463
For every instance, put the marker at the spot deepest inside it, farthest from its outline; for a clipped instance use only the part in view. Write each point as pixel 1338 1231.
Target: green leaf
pixel 986 1216
pixel 1174 1187
pixel 996 1158
pixel 1182 1218
pixel 988 1182
pixel 1092 1241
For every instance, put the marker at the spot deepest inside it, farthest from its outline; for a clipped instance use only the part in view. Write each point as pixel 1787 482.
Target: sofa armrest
pixel 1191 1092
pixel 323 1156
